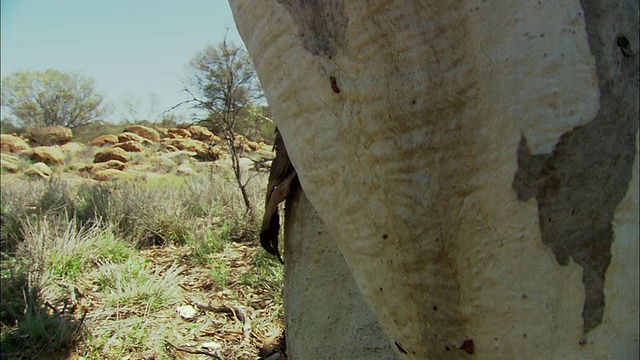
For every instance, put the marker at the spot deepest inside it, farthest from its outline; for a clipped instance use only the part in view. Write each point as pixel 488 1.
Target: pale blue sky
pixel 131 48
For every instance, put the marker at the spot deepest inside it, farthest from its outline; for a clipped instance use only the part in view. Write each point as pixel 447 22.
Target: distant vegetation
pixel 159 262
pixel 51 97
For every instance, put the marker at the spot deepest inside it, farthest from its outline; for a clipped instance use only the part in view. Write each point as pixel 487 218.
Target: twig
pixel 47 304
pixel 246 327
pixel 84 315
pixel 208 307
pixel 191 350
pixel 237 311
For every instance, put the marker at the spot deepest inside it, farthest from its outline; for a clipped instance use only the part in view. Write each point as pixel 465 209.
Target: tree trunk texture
pixel 324 309
pixel 475 163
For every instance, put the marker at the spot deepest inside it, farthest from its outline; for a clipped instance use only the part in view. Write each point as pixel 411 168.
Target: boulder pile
pixel 50 150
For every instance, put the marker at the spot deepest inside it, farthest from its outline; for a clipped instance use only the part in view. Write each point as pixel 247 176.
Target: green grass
pixel 206 243
pixel 219 273
pixel 132 284
pixel 267 273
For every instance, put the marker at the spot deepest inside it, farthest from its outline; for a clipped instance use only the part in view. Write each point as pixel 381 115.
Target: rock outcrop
pixel 39 169
pixel 112 153
pixel 104 140
pixel 9 163
pixel 50 155
pixel 50 135
pixel 12 144
pixel 129 136
pixel 202 133
pixel 130 146
pixel 145 132
pixel 72 148
pixel 175 133
pixel 111 164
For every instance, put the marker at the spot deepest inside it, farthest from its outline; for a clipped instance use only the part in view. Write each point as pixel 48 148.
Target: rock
pixel 159 164
pixel 187 312
pixel 51 135
pixel 201 133
pixel 72 148
pixel 212 153
pixel 111 164
pixel 186 144
pixel 180 156
pixel 9 163
pixel 129 136
pixel 86 168
pixel 112 153
pixel 179 133
pixel 12 144
pixel 130 146
pixel 184 170
pixel 265 154
pixel 145 132
pixel 245 164
pixel 253 145
pixel 242 143
pixel 170 148
pixel 108 174
pixel 102 140
pixel 49 155
pixel 211 345
pixel 161 130
pixel 39 169
pixel 181 143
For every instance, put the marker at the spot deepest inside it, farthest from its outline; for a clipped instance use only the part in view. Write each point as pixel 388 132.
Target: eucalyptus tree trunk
pixel 476 164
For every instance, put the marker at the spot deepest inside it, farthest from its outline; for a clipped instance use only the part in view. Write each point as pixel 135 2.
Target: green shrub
pixel 7 127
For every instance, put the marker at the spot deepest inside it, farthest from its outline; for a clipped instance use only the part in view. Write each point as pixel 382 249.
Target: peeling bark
pixel 282 180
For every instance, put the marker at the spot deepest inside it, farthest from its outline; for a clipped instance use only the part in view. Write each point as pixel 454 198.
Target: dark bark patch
pixel 399 347
pixel 321 24
pixel 334 85
pixel 468 346
pixel 624 45
pixel 579 185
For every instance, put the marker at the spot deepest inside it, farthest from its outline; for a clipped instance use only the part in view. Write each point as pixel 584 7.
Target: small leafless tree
pixel 227 86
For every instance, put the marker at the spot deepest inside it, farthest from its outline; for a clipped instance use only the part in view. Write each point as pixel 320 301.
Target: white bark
pixel 326 316
pixel 412 163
